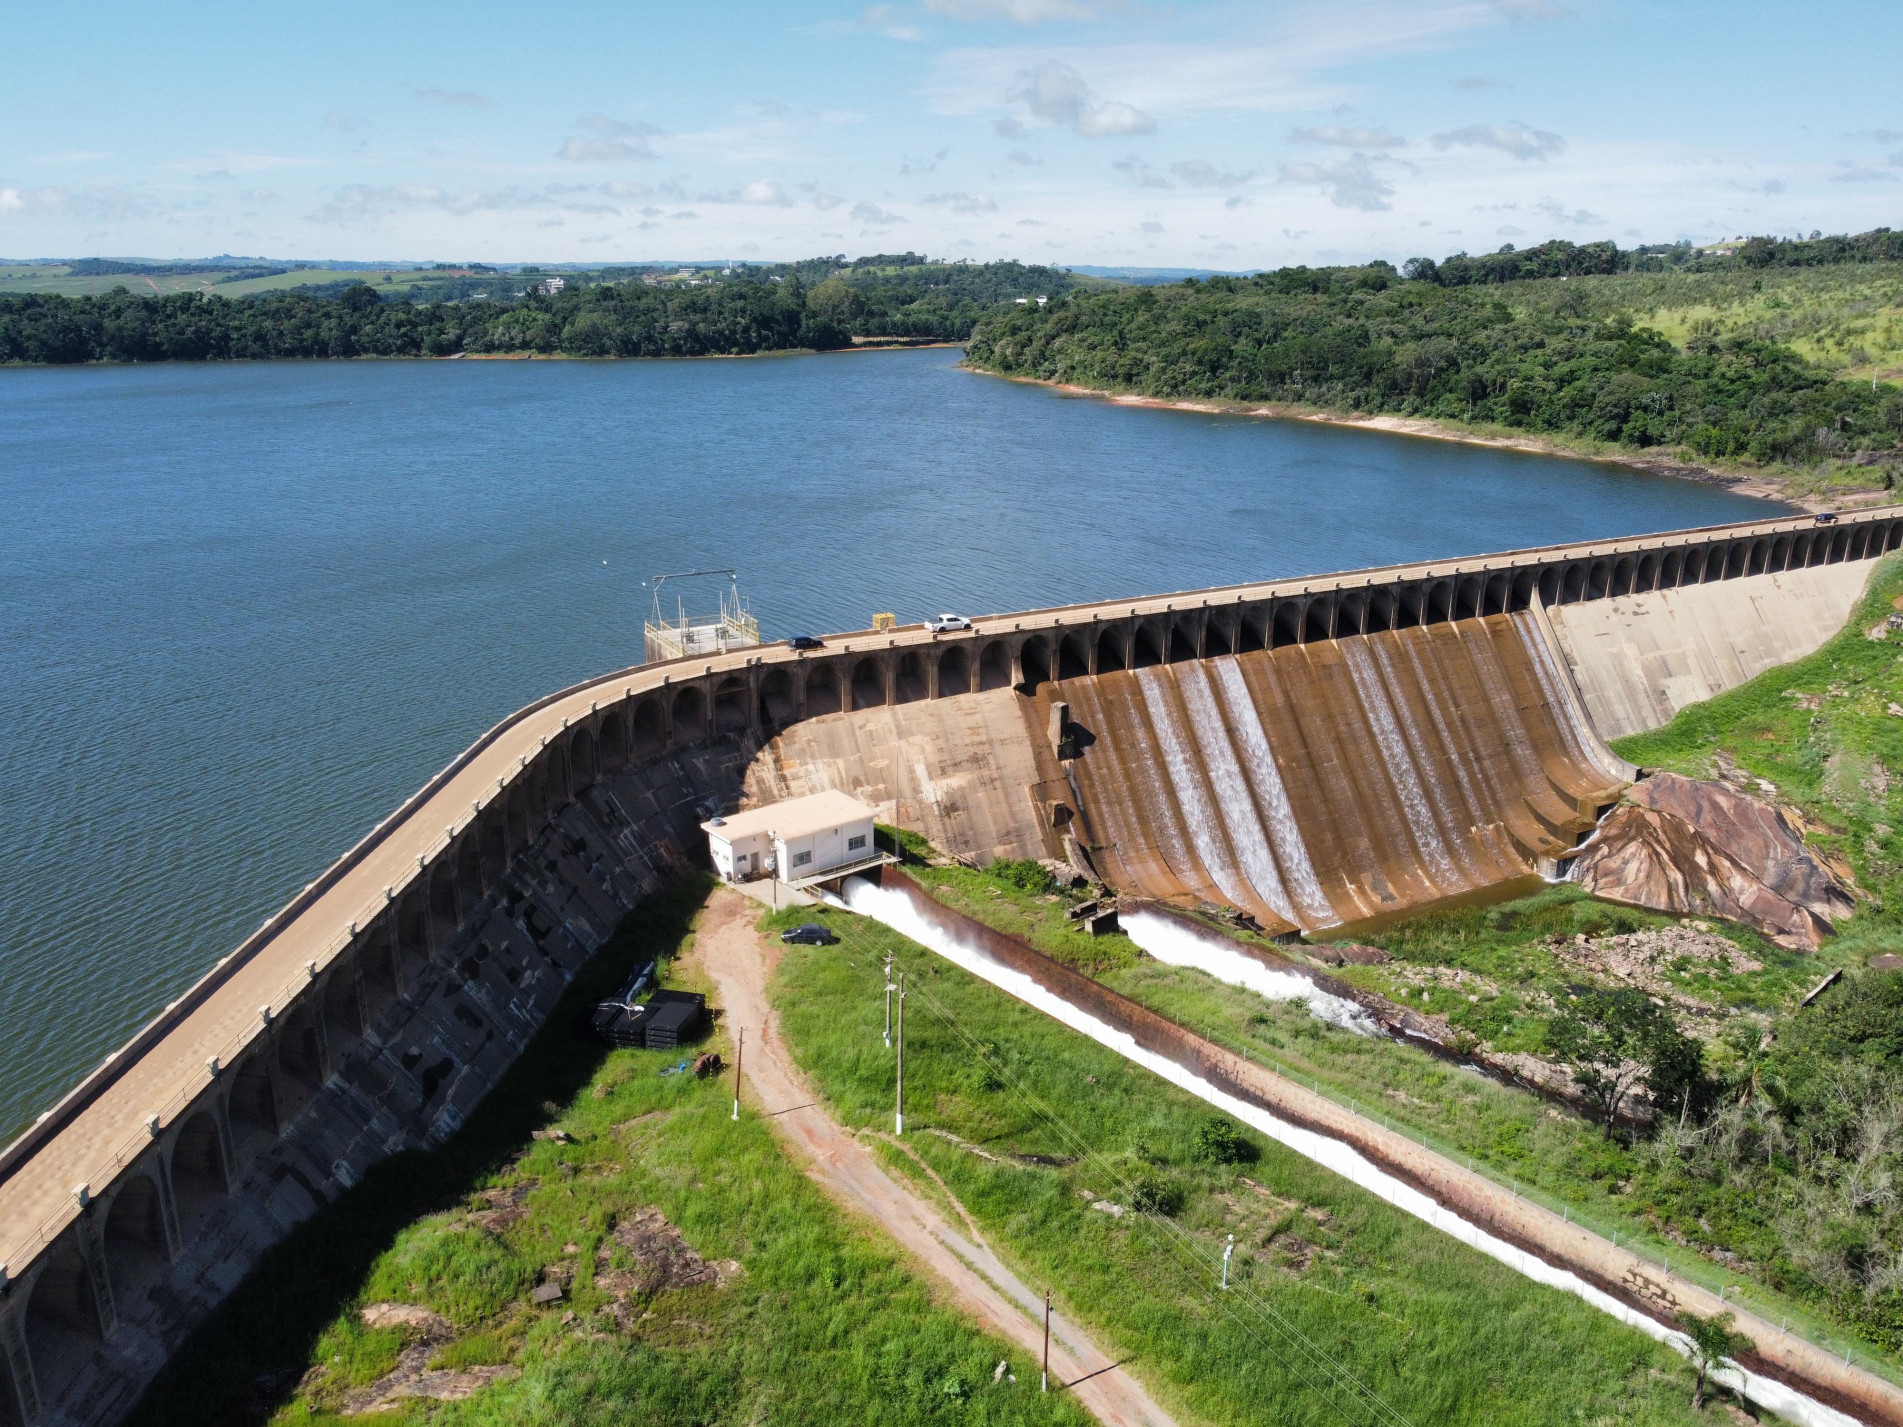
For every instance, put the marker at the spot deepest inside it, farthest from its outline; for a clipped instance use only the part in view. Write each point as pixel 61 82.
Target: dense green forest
pixel 821 304
pixel 1536 357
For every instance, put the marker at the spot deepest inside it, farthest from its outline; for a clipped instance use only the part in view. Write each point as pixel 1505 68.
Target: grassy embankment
pixel 1056 1123
pixel 1821 730
pixel 825 1325
pixel 1827 730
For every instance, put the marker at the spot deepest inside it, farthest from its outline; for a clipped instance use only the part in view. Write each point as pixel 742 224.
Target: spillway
pixel 1320 785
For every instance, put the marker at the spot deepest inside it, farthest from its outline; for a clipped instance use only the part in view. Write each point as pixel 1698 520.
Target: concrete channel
pixel 1785 1375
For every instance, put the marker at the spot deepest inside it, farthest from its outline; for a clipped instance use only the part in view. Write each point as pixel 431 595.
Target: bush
pixel 1024 874
pixel 1155 1194
pixel 1219 1141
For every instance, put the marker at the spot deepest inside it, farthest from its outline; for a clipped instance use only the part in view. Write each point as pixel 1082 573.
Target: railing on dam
pixel 488 802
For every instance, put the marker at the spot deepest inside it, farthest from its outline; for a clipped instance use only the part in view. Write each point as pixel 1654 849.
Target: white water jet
pixel 1290 850
pixel 1400 764
pixel 896 910
pixel 1246 833
pixel 1176 945
pixel 1199 819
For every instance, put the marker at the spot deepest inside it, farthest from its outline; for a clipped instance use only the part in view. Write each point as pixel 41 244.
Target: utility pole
pixel 899 1098
pixel 889 989
pixel 739 1059
pixel 1047 1342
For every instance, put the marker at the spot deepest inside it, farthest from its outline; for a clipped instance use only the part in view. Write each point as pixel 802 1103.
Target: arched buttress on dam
pixel 1315 752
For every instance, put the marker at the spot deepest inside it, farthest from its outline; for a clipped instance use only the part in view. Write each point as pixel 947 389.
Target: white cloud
pixel 1478 81
pixel 1057 94
pixel 872 215
pixel 1532 9
pixel 607 141
pixel 97 204
pixel 765 192
pixel 1507 230
pixel 888 20
pixel 1858 173
pixel 455 98
pixel 1297 68
pixel 1152 227
pixel 70 156
pixel 1349 183
pixel 1024 159
pixel 1350 136
pixel 1512 139
pixel 1017 12
pixel 257 195
pixel 1142 173
pixel 620 188
pixel 1006 127
pixel 366 203
pixel 963 202
pixel 1200 173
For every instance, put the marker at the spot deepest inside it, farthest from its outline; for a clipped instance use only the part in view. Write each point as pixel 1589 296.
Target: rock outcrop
pixel 1701 849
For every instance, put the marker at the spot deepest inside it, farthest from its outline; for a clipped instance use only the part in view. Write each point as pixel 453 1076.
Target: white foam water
pixel 1290 850
pixel 1176 945
pixel 896 910
pixel 1246 833
pixel 1400 764
pixel 1212 848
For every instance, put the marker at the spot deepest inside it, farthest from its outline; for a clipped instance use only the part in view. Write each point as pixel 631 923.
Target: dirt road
pixel 738 961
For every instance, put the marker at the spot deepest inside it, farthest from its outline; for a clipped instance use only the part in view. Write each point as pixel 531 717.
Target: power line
pixel 1183 1244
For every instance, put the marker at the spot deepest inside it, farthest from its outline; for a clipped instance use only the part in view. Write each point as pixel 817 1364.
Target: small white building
pixel 800 841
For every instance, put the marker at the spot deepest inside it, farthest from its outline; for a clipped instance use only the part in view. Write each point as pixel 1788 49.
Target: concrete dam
pixel 1314 753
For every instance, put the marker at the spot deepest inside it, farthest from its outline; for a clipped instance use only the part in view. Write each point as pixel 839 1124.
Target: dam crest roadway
pixel 1315 752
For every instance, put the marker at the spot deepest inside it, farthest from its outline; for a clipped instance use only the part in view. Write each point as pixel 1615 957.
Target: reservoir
pixel 246 610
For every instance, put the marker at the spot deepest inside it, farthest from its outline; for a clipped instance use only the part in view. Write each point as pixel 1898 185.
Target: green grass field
pixel 1715 1234
pixel 825 1325
pixel 1437 1331
pixel 1848 318
pixel 24 278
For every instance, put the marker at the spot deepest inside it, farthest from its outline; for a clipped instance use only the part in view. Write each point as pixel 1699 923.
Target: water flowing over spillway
pixel 898 911
pixel 1328 783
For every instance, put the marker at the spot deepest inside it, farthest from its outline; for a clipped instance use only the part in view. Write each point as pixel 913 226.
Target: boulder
pixel 1692 848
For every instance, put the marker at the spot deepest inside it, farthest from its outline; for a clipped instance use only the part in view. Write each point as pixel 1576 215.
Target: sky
pixel 1112 132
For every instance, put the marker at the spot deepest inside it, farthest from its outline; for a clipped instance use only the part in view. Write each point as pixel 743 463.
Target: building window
pixel 854 844
pixel 800 859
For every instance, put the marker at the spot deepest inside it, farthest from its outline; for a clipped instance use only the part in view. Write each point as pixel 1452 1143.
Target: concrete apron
pixel 1785 1375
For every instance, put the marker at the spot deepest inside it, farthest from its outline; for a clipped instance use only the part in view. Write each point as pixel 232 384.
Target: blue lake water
pixel 245 610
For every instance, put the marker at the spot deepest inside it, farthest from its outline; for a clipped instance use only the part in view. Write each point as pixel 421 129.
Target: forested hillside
pixel 1565 360
pixel 821 304
pixel 605 321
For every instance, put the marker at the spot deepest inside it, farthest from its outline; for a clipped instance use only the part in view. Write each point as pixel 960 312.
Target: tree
pixel 836 300
pixel 1712 1340
pixel 1616 1041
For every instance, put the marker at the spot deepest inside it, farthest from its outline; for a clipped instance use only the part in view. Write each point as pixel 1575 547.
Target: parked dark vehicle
pixel 805 641
pixel 1826 518
pixel 812 934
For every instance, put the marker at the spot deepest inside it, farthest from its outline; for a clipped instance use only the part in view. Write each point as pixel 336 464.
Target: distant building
pixel 550 287
pixel 801 841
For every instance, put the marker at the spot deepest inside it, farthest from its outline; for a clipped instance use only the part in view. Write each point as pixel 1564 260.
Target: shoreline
pixel 1758 486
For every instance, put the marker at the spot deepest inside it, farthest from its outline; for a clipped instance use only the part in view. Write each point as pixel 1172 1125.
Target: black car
pixel 812 934
pixel 805 641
